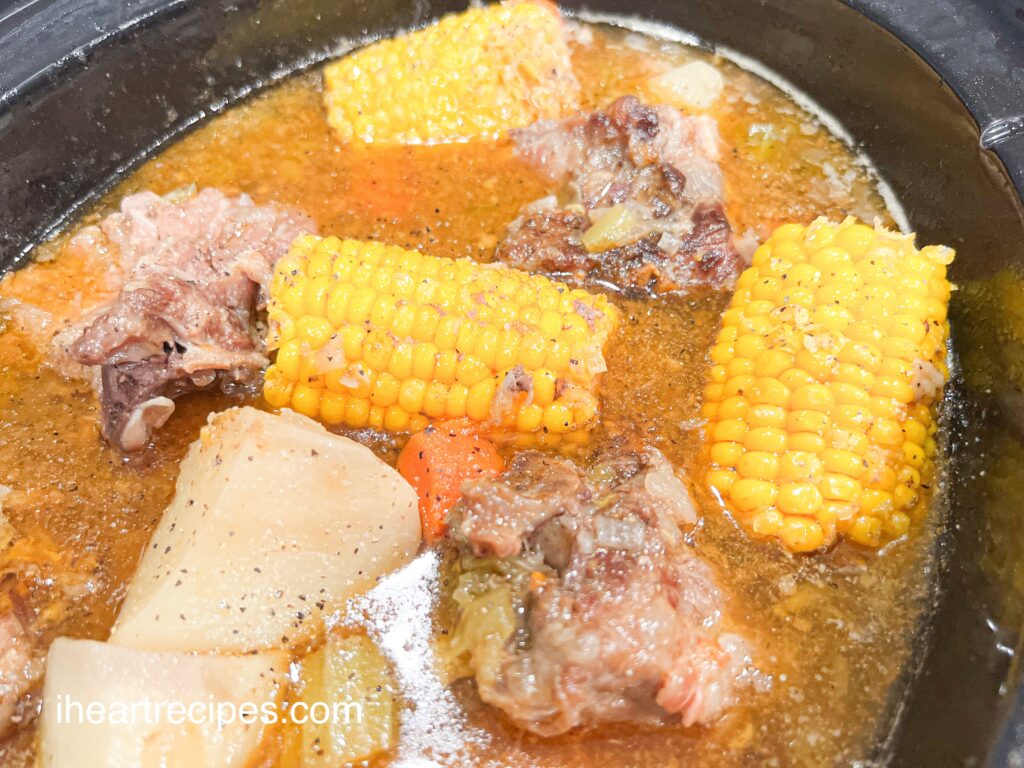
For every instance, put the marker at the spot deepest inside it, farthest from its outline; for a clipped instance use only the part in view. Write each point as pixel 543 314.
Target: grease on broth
pixel 834 632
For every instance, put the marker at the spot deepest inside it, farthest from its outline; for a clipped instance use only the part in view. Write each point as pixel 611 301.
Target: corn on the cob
pixel 818 404
pixel 472 74
pixel 375 335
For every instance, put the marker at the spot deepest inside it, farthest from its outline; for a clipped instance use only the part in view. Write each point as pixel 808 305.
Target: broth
pixel 833 632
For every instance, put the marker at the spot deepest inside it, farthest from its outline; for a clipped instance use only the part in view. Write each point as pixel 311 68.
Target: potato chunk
pixel 113 707
pixel 274 521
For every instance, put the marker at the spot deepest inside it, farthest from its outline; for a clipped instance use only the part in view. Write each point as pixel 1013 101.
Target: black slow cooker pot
pixel 933 91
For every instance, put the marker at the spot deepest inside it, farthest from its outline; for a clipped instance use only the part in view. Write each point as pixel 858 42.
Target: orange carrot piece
pixel 437 461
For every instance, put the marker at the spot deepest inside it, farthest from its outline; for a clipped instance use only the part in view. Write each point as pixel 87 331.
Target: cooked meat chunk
pixel 494 517
pixel 548 239
pixel 625 624
pixel 195 270
pixel 643 201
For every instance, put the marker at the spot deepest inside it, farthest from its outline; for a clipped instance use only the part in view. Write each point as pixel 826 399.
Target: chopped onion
pixel 614 227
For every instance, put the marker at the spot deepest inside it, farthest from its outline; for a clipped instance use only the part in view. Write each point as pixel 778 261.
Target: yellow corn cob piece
pixel 472 74
pixel 823 375
pixel 371 335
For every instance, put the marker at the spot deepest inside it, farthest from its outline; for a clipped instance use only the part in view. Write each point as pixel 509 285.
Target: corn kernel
pixel 903 497
pixel 385 390
pixel 411 394
pixel 722 480
pixel 766 523
pixel 289 359
pixel 455 405
pixel 375 419
pixel 800 534
pixel 435 400
pixel 530 418
pixel 875 502
pixel 795 378
pixel 752 495
pixel 770 392
pixel 277 389
pixel 866 531
pixel 481 395
pixel 770 439
pixel 761 415
pixel 754 464
pixel 396 419
pixel 799 499
pixel 736 407
pixel 770 363
pixel 843 462
pixel 470 371
pixel 807 421
pixel 880 477
pixel 813 397
pixel 332 407
pixel 730 430
pixel 809 442
pixel 886 432
pixel 738 385
pixel 558 418
pixel 306 400
pixel 740 366
pixel 839 487
pixel 726 454
pixel 400 364
pixel 377 348
pixel 800 466
pixel 913 455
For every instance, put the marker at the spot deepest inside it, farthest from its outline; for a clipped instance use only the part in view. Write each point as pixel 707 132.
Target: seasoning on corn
pixel 374 335
pixel 818 404
pixel 472 74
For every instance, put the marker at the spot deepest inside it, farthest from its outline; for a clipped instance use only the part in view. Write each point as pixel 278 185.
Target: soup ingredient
pixel 473 74
pixel 274 523
pixel 193 269
pixel 38 588
pixel 398 613
pixel 617 619
pixel 373 335
pixel 694 86
pixel 488 595
pixel 120 707
pixel 19 665
pixel 19 669
pixel 350 677
pixel 831 354
pixel 437 462
pixel 641 204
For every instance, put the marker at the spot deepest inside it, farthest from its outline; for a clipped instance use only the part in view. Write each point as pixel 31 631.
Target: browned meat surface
pixel 626 623
pixel 645 178
pixel 194 270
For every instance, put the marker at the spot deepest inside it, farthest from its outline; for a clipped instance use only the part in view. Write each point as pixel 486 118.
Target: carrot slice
pixel 437 461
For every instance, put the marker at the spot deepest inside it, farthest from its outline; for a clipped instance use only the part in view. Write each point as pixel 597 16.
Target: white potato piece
pixel 694 86
pixel 275 522
pixel 95 710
